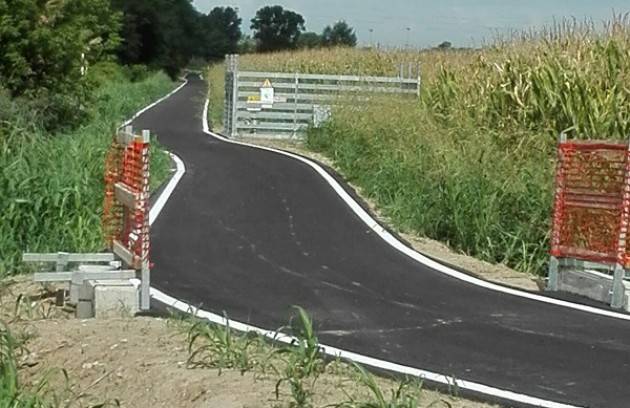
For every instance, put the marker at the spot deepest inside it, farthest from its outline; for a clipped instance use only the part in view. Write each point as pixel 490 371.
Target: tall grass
pixel 453 184
pixel 51 186
pixel 471 162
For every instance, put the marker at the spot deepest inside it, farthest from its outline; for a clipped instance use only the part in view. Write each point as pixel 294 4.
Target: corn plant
pixel 303 360
pixel 216 346
pixel 407 395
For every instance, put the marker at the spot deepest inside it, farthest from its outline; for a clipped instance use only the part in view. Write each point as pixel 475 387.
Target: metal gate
pixel 285 105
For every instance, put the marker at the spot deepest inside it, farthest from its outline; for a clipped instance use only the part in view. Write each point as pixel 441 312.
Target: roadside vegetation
pixel 63 93
pixel 471 163
pixel 299 366
pixel 52 184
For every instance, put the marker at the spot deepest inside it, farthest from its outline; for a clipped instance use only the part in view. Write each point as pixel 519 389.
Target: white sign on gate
pixel 267 95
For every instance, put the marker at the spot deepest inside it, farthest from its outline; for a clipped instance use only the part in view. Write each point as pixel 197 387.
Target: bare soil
pixel 494 273
pixel 142 362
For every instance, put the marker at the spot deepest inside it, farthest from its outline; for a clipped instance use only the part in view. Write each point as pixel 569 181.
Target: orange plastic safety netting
pixel 592 202
pixel 128 166
pixel 112 219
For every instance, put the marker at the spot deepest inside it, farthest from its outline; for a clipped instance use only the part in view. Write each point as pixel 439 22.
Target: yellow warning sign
pixel 267 84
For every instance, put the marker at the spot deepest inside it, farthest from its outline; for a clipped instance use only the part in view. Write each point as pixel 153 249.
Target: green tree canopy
pixel 160 33
pixel 44 44
pixel 221 33
pixel 45 47
pixel 340 34
pixel 276 28
pixel 310 40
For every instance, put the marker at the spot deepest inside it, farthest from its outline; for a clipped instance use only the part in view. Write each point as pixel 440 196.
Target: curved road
pixel 251 232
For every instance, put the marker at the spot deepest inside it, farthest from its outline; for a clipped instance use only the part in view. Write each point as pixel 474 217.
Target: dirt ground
pixel 437 250
pixel 142 362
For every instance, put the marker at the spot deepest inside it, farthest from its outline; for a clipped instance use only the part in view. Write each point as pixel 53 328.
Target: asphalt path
pixel 250 232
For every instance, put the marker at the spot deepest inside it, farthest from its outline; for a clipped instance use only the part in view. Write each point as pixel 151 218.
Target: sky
pixel 426 23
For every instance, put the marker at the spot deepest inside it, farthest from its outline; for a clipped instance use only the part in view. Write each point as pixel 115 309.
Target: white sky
pixel 462 22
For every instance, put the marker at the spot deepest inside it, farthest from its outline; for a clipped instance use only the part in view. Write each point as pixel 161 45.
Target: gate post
pixel 227 106
pixel 231 95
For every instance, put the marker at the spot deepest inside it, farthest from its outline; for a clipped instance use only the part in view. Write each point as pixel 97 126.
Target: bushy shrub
pixel 45 48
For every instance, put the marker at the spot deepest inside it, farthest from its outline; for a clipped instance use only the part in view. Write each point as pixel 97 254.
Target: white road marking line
pixel 365 217
pixel 394 242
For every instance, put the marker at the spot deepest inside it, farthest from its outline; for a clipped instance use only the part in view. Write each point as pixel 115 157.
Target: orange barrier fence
pixel 592 202
pixel 126 203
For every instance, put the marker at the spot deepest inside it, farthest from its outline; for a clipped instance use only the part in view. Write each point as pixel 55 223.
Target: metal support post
pixel 62 262
pixel 295 103
pixel 234 121
pixel 145 287
pixel 552 283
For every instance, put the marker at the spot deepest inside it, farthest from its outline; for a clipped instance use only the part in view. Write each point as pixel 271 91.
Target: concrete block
pixel 77 284
pixel 626 300
pixel 591 284
pixel 103 299
pixel 84 301
pixel 114 298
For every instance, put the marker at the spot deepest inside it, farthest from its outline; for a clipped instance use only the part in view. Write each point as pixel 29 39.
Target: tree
pixel 246 45
pixel 445 45
pixel 44 46
pixel 340 34
pixel 310 40
pixel 221 33
pixel 276 28
pixel 160 33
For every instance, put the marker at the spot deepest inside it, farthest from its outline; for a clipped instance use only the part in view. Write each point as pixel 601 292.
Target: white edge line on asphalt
pixel 146 108
pixel 328 350
pixel 159 204
pixel 359 358
pixel 393 241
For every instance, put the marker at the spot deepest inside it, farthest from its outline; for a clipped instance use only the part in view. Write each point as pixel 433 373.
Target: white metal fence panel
pixel 285 105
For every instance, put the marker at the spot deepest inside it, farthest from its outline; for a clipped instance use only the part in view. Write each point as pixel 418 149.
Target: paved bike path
pixel 249 233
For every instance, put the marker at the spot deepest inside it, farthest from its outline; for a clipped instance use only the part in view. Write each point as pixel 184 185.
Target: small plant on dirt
pixel 303 360
pixel 12 394
pixel 215 346
pixel 407 395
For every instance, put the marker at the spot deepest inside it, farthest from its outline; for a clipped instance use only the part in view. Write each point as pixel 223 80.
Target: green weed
pixel 216 346
pixel 407 395
pixel 303 360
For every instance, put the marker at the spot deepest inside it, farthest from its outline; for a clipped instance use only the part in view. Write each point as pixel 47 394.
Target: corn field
pixel 471 162
pixel 572 77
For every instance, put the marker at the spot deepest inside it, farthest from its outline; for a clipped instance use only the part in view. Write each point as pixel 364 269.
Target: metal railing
pixel 285 105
